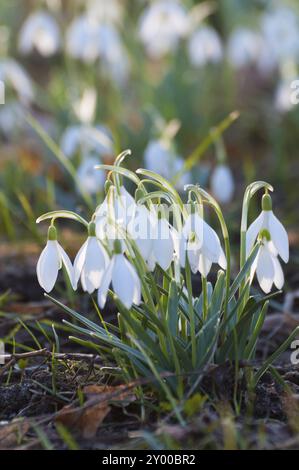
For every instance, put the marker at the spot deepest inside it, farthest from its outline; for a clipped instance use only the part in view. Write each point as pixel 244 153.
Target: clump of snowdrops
pixel 142 251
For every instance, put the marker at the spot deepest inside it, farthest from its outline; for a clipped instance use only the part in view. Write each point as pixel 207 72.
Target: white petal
pixel 125 281
pixel 68 266
pixel 265 270
pixel 79 261
pixel 222 260
pixel 163 247
pixel 96 262
pixel 211 244
pixel 204 265
pixel 106 280
pixel 48 266
pixel 253 232
pixel 278 276
pixel 279 237
pixel 193 253
pixel 193 224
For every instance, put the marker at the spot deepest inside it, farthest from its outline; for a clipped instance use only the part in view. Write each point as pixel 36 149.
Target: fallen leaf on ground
pixel 12 433
pixel 119 393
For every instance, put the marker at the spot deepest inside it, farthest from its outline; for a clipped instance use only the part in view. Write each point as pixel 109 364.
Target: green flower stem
pixel 204 298
pixel 191 313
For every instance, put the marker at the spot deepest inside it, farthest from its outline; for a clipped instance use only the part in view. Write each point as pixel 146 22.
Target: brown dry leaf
pixel 119 393
pixel 85 420
pixel 12 434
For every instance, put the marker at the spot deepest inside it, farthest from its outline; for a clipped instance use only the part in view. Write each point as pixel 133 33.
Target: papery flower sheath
pixel 51 260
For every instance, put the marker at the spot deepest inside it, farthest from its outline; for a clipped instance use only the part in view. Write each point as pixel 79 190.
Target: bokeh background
pixel 85 80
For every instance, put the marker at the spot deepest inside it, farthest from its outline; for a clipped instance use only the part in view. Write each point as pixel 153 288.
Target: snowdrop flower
pixel 222 183
pixel 161 27
pixel 114 59
pixel 109 12
pixel 91 262
pixel 283 97
pixel 160 158
pixel 40 31
pixel 120 208
pixel 243 48
pixel 281 31
pixel 85 107
pixel 267 222
pixel 12 73
pixel 201 245
pixel 87 139
pixel 267 267
pixel 205 47
pixel 82 39
pixel 11 121
pixel 51 260
pixel 162 245
pixel 90 179
pixel 141 229
pixel 125 281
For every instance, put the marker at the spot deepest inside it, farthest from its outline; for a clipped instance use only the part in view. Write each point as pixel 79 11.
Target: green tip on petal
pixel 92 229
pixel 265 235
pixel 52 233
pixel 117 247
pixel 267 202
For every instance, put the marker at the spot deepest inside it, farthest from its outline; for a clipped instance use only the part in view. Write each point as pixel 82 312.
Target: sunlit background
pixel 86 79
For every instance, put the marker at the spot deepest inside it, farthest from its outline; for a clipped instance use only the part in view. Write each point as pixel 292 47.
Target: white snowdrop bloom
pixel 160 158
pixel 122 212
pixel 51 260
pixel 283 97
pixel 222 183
pixel 281 30
pixel 161 27
pixel 82 39
pixel 125 282
pixel 40 32
pixel 85 107
pixel 162 245
pixel 90 179
pixel 267 267
pixel 12 74
pixel 243 47
pixel 90 264
pixel 268 222
pixel 11 121
pixel 202 246
pixel 87 139
pixel 141 229
pixel 113 56
pixel 205 47
pixel 107 12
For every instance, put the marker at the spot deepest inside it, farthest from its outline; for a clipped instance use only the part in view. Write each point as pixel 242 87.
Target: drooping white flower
pixel 267 221
pixel 109 12
pixel 90 179
pixel 243 47
pixel 51 260
pixel 13 74
pixel 141 229
pixel 87 140
pixel 201 245
pixel 205 47
pixel 267 267
pixel 162 245
pixel 125 282
pixel 114 215
pixel 160 158
pixel 283 97
pixel 161 27
pixel 82 39
pixel 11 122
pixel 280 29
pixel 90 264
pixel 222 183
pixel 85 106
pixel 40 32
